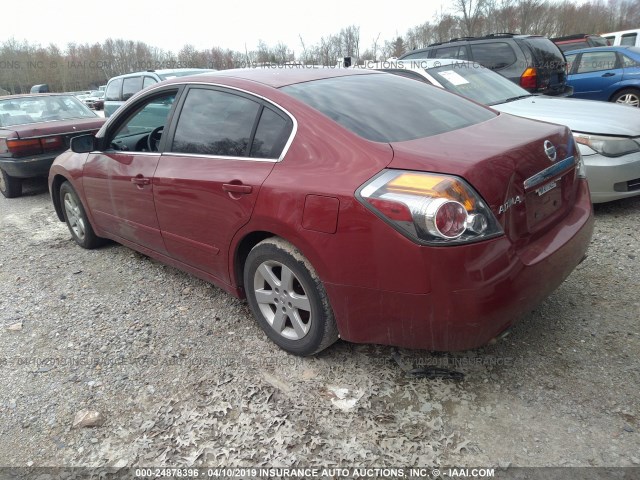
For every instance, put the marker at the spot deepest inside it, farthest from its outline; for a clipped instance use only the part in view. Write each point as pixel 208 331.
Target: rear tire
pixel 76 218
pixel 288 299
pixel 11 187
pixel 628 96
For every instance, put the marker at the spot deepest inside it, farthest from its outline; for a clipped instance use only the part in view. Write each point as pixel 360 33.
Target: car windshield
pixel 388 108
pixel 26 110
pixel 478 83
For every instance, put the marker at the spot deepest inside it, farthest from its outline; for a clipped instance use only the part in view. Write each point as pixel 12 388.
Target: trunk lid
pixel 44 129
pixel 504 159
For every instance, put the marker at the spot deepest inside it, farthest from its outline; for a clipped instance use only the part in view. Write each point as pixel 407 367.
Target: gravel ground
pixel 182 375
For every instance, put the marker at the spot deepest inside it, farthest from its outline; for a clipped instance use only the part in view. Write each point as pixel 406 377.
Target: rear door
pixel 594 74
pixel 223 146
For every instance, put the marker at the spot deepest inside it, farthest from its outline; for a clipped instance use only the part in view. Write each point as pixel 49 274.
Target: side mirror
pixel 83 143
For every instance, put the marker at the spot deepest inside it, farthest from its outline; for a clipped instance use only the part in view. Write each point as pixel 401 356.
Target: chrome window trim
pixel 73 132
pixel 294 129
pixel 221 157
pixel 549 172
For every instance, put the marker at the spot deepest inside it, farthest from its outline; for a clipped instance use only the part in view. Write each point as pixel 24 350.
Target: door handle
pixel 236 188
pixel 140 180
pixel 608 74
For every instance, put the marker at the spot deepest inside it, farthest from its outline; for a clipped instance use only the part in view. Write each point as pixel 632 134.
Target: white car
pixel 607 134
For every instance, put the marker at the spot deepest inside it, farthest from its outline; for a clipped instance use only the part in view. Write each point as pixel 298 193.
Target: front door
pixel 119 180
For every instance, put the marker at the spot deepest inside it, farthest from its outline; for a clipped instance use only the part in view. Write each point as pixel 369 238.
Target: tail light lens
pixel 52 143
pixel 529 79
pixel 20 148
pixel 31 146
pixel 429 208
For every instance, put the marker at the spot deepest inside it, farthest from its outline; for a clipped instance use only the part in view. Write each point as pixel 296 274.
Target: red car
pixel 337 203
pixel 34 130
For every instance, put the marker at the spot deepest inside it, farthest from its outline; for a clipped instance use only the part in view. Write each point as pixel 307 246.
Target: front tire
pixel 11 187
pixel 628 96
pixel 288 299
pixel 76 218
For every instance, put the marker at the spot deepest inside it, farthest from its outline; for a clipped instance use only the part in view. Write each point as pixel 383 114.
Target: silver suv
pixel 123 87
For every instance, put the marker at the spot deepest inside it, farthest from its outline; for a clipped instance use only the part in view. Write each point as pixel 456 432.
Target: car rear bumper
pixel 478 290
pixel 613 178
pixel 33 166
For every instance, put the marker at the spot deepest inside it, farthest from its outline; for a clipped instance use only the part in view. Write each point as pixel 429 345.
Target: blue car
pixel 611 74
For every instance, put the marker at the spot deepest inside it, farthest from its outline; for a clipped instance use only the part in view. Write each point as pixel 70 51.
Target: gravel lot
pixel 183 376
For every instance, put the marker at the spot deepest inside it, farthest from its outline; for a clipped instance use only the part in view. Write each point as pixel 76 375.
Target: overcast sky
pixel 227 23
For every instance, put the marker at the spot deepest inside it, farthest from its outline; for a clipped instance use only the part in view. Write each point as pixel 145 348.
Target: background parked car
pixel 121 88
pixel 94 96
pixel 579 40
pixel 531 61
pixel 608 135
pixel 42 88
pixel 611 74
pixel 34 130
pixel 277 183
pixel 624 38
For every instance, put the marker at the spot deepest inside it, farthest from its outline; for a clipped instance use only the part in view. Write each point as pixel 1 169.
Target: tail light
pixel 529 79
pixel 429 208
pixel 52 143
pixel 31 146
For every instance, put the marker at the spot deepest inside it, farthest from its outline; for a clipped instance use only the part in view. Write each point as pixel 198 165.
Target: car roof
pixel 617 48
pixel 27 95
pixel 276 77
pixel 421 63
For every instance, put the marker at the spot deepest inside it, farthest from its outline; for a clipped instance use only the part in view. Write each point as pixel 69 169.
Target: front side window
pixel 596 61
pixel 215 123
pixel 493 55
pixel 629 39
pixel 150 119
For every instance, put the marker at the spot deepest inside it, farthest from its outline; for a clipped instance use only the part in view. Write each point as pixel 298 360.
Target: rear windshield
pixel 388 108
pixel 546 54
pixel 26 110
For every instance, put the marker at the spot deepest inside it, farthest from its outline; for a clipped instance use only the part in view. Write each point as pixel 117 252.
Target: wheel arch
pixel 241 252
pixel 56 184
pixel 624 87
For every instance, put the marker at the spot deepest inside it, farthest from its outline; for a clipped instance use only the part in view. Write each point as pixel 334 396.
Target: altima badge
pixel 550 150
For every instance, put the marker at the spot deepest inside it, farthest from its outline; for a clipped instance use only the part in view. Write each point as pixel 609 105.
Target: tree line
pixel 86 66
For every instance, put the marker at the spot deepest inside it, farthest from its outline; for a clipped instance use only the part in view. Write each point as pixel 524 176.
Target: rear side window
pixel 271 135
pixel 628 62
pixel 130 86
pixel 493 55
pixel 596 61
pixel 148 81
pixel 113 90
pixel 215 123
pixel 629 39
pixel 388 108
pixel 451 52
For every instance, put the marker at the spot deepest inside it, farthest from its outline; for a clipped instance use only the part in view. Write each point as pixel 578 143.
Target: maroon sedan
pixel 34 130
pixel 352 204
